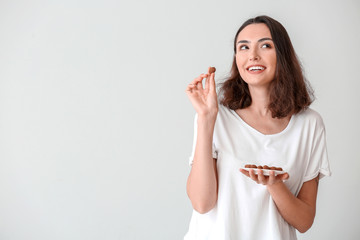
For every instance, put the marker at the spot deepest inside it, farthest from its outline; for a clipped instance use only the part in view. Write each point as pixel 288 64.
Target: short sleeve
pixel 191 158
pixel 319 162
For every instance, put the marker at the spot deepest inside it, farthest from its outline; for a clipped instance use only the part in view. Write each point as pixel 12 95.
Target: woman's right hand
pixel 204 100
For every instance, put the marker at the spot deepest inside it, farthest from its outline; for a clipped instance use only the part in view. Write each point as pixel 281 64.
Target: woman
pixel 263 119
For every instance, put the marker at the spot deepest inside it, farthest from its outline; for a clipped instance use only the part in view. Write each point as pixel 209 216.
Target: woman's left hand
pixel 260 178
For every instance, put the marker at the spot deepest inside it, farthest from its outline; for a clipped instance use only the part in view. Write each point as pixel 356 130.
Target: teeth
pixel 256 68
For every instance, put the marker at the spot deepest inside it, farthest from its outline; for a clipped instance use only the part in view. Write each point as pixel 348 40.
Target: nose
pixel 254 55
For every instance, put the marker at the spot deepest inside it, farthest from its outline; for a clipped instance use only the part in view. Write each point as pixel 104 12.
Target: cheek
pixel 241 70
pixel 274 64
pixel 273 59
pixel 239 63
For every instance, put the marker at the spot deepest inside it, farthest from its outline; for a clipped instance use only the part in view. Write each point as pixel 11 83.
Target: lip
pixel 255 72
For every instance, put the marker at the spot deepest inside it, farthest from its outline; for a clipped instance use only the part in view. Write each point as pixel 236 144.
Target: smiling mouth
pixel 256 68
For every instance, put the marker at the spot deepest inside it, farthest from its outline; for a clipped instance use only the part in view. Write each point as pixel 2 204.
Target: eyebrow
pixel 260 40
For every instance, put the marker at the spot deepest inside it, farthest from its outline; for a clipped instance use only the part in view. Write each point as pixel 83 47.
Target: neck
pixel 260 101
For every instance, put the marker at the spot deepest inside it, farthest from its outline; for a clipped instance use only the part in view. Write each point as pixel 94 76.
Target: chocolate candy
pixel 263 167
pixel 212 70
pixel 250 166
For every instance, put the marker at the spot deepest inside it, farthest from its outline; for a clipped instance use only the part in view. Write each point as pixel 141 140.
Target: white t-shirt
pixel 244 209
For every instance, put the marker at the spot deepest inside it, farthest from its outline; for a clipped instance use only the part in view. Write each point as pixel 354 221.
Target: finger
pixel 243 171
pixel 272 174
pixel 207 83
pixel 284 176
pixel 199 86
pixel 252 175
pixel 190 87
pixel 212 87
pixel 199 78
pixel 272 177
pixel 261 177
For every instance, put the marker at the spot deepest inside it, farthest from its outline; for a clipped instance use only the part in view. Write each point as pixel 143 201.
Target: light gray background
pixel 96 128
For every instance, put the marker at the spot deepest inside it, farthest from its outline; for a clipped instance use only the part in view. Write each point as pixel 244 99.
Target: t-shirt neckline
pixel 288 126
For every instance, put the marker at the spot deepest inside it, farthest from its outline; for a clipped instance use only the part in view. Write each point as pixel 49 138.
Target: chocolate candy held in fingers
pixel 212 70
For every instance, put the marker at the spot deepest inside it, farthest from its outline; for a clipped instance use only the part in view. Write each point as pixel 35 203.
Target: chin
pixel 258 82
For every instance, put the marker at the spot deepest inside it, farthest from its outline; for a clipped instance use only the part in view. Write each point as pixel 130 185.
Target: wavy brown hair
pixel 290 92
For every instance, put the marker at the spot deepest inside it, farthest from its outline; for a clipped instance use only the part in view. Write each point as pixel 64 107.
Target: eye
pixel 266 45
pixel 243 47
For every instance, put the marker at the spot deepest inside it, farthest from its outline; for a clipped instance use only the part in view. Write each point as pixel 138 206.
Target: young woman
pixel 264 119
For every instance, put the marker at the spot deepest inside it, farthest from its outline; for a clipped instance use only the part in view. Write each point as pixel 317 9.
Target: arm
pixel 202 180
pixel 297 211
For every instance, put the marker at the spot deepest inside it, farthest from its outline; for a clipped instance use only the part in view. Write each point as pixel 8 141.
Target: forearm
pixel 295 211
pixel 202 181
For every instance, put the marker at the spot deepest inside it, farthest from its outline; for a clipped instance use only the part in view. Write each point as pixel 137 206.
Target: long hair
pixel 289 90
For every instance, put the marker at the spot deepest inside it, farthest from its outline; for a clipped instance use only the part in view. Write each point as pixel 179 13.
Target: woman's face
pixel 256 55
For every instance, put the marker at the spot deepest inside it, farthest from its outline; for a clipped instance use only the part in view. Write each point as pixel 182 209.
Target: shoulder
pixel 225 117
pixel 224 112
pixel 222 108
pixel 310 117
pixel 310 113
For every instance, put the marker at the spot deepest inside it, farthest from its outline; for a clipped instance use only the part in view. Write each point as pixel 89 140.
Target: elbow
pixel 204 207
pixel 305 227
pixel 303 230
pixel 305 223
pixel 202 203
